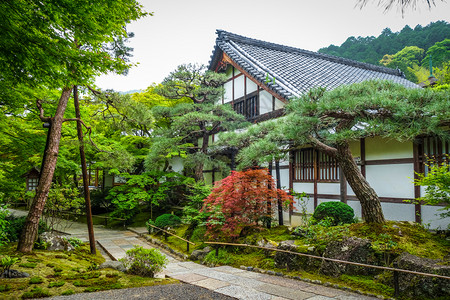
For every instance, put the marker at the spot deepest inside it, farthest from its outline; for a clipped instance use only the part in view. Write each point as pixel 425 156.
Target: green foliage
pixel 167 220
pixel 338 212
pixel 154 188
pixel 67 293
pixel 371 49
pixel 144 262
pixel 36 292
pixel 197 193
pixel 75 242
pixel 224 258
pixel 16 224
pixel 6 263
pixel 406 59
pixel 440 54
pixel 192 121
pixel 4 225
pixel 437 186
pixel 35 280
pixel 30 265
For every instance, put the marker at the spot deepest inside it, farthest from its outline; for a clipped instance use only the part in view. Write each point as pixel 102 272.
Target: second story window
pixel 247 106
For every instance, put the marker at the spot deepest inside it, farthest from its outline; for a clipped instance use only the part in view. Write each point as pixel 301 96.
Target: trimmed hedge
pixel 338 212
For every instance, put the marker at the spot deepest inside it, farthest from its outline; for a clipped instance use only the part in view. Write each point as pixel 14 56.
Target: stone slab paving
pixel 226 280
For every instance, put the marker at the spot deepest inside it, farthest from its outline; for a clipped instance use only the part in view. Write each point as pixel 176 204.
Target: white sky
pixel 183 31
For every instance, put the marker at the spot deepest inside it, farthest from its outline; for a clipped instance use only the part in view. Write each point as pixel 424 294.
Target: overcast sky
pixel 183 31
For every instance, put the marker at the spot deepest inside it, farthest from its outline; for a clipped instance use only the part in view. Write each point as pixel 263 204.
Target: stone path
pixel 226 280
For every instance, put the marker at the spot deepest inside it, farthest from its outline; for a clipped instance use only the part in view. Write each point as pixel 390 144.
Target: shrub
pixel 167 220
pixel 4 224
pixel 240 200
pixel 144 262
pixel 336 212
pixel 75 242
pixel 35 280
pixel 224 258
pixel 6 263
pixel 16 224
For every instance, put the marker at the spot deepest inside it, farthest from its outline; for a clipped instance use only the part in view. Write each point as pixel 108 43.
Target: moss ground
pixel 392 239
pixel 65 273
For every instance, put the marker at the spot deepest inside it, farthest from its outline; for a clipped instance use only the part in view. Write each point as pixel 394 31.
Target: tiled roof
pixel 296 70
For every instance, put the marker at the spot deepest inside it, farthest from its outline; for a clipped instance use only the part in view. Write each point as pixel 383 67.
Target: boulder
pixel 267 244
pixel 200 254
pixel 293 261
pixel 55 241
pixel 420 287
pixel 349 249
pixel 14 274
pixel 116 265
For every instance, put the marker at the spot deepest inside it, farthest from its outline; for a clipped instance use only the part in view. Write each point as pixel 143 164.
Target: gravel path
pixel 180 291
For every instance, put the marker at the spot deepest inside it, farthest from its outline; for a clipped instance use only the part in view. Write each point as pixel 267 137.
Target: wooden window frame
pixel 314 166
pixel 434 149
pixel 244 104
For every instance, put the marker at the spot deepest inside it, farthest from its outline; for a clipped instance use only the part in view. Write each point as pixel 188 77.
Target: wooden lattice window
pixel 32 183
pixel 247 106
pixel 308 162
pixel 433 149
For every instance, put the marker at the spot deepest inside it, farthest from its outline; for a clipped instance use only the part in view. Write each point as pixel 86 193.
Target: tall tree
pixel 329 121
pixel 190 125
pixel 59 44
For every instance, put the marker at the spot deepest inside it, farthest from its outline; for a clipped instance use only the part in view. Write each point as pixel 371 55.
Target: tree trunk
pixel 370 203
pixel 280 207
pixel 87 195
pixel 30 229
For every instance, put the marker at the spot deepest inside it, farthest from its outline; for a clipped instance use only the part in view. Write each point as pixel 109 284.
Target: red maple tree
pixel 241 200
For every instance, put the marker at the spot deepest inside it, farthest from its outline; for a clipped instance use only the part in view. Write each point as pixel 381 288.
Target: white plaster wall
pixel 328 188
pixel 239 87
pixel 391 180
pixel 398 211
pixel 430 215
pixel 307 187
pixel 177 164
pixel 356 207
pixel 265 102
pixel 228 96
pixel 284 178
pixel 251 86
pixel 278 104
pixel 382 148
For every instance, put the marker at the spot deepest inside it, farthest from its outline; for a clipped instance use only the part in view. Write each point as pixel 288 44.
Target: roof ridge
pixel 225 35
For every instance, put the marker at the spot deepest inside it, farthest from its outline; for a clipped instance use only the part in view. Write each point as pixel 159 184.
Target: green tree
pixel 329 121
pixel 405 59
pixel 190 125
pixel 59 44
pixel 440 54
pixel 437 186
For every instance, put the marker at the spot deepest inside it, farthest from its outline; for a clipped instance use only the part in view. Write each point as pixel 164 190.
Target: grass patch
pixel 68 293
pixel 5 288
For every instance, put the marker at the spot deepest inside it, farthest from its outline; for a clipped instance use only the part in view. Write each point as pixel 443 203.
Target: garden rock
pixel 349 249
pixel 14 274
pixel 267 244
pixel 55 241
pixel 293 261
pixel 200 254
pixel 116 265
pixel 421 287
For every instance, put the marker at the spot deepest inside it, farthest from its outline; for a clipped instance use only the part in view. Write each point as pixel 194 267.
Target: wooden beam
pixel 417 207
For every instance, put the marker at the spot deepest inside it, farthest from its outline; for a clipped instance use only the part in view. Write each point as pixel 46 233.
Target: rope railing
pixel 395 270
pixel 178 237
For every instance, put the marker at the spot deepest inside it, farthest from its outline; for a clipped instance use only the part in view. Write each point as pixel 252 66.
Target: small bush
pixel 67 293
pixel 75 242
pixel 167 220
pixel 224 258
pixel 4 288
pixel 36 280
pixel 16 225
pixel 339 212
pixel 37 292
pixel 144 262
pixel 56 283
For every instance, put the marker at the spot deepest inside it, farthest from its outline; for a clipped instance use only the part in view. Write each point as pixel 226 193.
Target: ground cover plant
pixel 388 240
pixel 65 273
